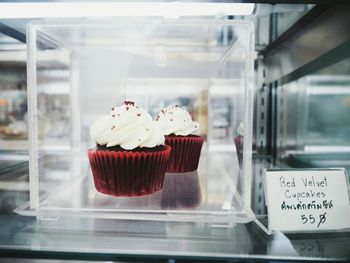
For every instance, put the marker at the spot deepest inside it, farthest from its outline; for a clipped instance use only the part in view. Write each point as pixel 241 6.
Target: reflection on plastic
pixel 150 202
pixel 239 149
pixel 322 247
pixel 181 190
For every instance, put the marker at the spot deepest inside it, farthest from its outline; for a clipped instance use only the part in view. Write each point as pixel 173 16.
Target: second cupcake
pixel 181 134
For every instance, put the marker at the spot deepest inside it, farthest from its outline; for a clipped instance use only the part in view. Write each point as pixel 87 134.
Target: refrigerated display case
pixel 299 118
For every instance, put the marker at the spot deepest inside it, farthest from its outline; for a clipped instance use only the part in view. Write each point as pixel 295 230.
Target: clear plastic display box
pixel 79 69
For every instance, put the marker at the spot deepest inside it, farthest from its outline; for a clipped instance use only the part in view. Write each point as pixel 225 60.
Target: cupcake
pixel 181 135
pixel 239 144
pixel 130 157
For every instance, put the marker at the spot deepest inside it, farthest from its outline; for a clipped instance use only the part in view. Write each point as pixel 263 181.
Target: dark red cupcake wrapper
pixel 185 153
pixel 128 173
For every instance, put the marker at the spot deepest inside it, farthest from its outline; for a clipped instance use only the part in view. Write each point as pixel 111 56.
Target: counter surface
pixel 101 239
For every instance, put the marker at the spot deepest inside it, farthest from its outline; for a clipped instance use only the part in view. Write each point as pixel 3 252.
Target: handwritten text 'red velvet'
pixel 313 190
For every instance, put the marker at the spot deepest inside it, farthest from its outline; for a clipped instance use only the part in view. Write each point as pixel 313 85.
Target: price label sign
pixel 307 200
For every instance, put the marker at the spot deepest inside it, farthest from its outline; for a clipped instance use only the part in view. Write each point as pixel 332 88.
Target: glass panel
pixel 287 19
pixel 315 118
pixel 13 104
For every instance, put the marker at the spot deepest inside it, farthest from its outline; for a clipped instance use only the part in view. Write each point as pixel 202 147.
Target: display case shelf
pixel 77 238
pixel 209 194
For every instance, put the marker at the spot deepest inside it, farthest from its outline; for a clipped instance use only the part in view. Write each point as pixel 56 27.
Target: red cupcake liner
pixel 128 173
pixel 185 153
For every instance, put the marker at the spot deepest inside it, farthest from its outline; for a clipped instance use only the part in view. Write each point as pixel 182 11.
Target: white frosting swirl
pixel 176 120
pixel 128 126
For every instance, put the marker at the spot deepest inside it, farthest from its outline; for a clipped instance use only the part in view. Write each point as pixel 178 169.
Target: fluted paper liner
pixel 185 153
pixel 128 173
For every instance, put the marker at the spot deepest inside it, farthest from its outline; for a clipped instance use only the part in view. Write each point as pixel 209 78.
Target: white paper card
pixel 307 200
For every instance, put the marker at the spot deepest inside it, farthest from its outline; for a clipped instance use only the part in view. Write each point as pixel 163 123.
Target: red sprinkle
pixel 138 114
pixel 129 103
pixel 113 115
pixel 113 108
pixel 112 127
